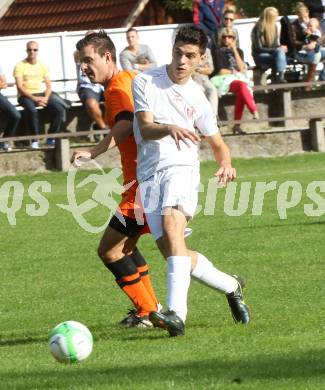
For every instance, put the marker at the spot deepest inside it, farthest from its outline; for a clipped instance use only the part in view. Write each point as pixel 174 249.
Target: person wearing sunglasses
pixel 230 75
pixel 30 74
pixel 228 19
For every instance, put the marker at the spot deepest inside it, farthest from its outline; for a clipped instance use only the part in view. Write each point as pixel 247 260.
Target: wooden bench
pixel 62 140
pixel 277 99
pixel 76 118
pixel 315 125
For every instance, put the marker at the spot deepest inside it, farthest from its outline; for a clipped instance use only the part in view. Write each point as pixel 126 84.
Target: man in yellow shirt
pixel 30 74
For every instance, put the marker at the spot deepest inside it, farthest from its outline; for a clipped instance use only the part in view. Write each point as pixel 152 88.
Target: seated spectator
pixel 305 44
pixel 135 56
pixel 207 15
pixel 230 70
pixel 201 76
pixel 90 94
pixel 310 51
pixel 228 18
pixel 298 27
pixel 29 75
pixel 266 50
pixel 11 113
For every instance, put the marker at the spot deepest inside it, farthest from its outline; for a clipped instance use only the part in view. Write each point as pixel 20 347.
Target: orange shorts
pixel 132 208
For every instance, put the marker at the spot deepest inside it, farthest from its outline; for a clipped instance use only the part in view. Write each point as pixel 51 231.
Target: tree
pixel 251 8
pixel 179 4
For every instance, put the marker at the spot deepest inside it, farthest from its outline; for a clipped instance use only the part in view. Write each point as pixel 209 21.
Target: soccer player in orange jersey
pixel 117 248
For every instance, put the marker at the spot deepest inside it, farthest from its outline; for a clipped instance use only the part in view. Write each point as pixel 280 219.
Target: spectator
pixel 135 56
pixel 266 51
pixel 228 18
pixel 29 75
pixel 299 26
pixel 207 15
pixel 90 95
pixel 230 68
pixel 311 52
pixel 201 76
pixel 11 113
pixel 317 10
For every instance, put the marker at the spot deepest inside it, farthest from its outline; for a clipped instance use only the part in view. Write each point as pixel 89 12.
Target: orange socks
pixel 143 270
pixel 130 281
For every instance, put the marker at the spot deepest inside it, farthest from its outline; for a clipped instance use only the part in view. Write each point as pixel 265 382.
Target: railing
pixel 287 118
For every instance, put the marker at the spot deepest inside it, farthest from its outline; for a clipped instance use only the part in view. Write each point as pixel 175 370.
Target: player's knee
pixel 108 255
pixel 171 234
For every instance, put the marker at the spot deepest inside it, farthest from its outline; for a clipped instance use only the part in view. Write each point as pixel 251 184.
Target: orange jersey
pixel 118 98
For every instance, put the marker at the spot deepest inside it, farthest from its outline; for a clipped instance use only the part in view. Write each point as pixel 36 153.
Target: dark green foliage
pixel 251 8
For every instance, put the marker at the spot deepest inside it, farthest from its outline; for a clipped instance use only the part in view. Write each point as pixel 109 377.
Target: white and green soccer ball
pixel 70 342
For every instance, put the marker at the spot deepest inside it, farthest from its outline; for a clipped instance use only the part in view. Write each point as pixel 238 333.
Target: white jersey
pixel 183 105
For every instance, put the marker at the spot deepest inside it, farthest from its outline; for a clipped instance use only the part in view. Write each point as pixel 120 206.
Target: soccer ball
pixel 70 342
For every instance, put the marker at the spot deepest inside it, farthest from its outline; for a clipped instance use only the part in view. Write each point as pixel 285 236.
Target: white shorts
pixel 172 186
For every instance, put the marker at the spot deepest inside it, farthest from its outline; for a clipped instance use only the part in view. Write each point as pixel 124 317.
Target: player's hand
pixel 184 135
pixel 79 157
pixel 226 174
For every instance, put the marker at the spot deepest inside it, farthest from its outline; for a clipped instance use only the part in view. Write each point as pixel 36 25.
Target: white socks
pixel 178 283
pixel 208 274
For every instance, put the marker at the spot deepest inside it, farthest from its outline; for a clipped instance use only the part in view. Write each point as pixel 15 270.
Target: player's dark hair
pixel 192 35
pixel 100 41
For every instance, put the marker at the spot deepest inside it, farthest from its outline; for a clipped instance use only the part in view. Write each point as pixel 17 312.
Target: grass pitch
pixel 50 273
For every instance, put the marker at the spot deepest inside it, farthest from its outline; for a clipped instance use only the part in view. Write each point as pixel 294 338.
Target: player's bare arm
pixel 151 130
pixel 226 172
pixel 120 131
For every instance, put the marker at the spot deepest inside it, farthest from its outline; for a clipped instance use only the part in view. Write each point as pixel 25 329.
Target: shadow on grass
pixel 23 340
pixel 299 365
pixel 280 225
pixel 110 332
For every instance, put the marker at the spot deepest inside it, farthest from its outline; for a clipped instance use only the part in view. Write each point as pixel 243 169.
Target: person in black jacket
pixel 230 75
pixel 307 45
pixel 266 50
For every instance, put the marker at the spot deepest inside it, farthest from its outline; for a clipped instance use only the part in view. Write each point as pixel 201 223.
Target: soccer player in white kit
pixel 169 105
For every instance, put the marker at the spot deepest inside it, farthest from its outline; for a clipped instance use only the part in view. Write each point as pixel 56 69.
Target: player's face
pixel 96 67
pixel 186 58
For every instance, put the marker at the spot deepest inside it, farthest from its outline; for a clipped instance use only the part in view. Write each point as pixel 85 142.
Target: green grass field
pixel 50 273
